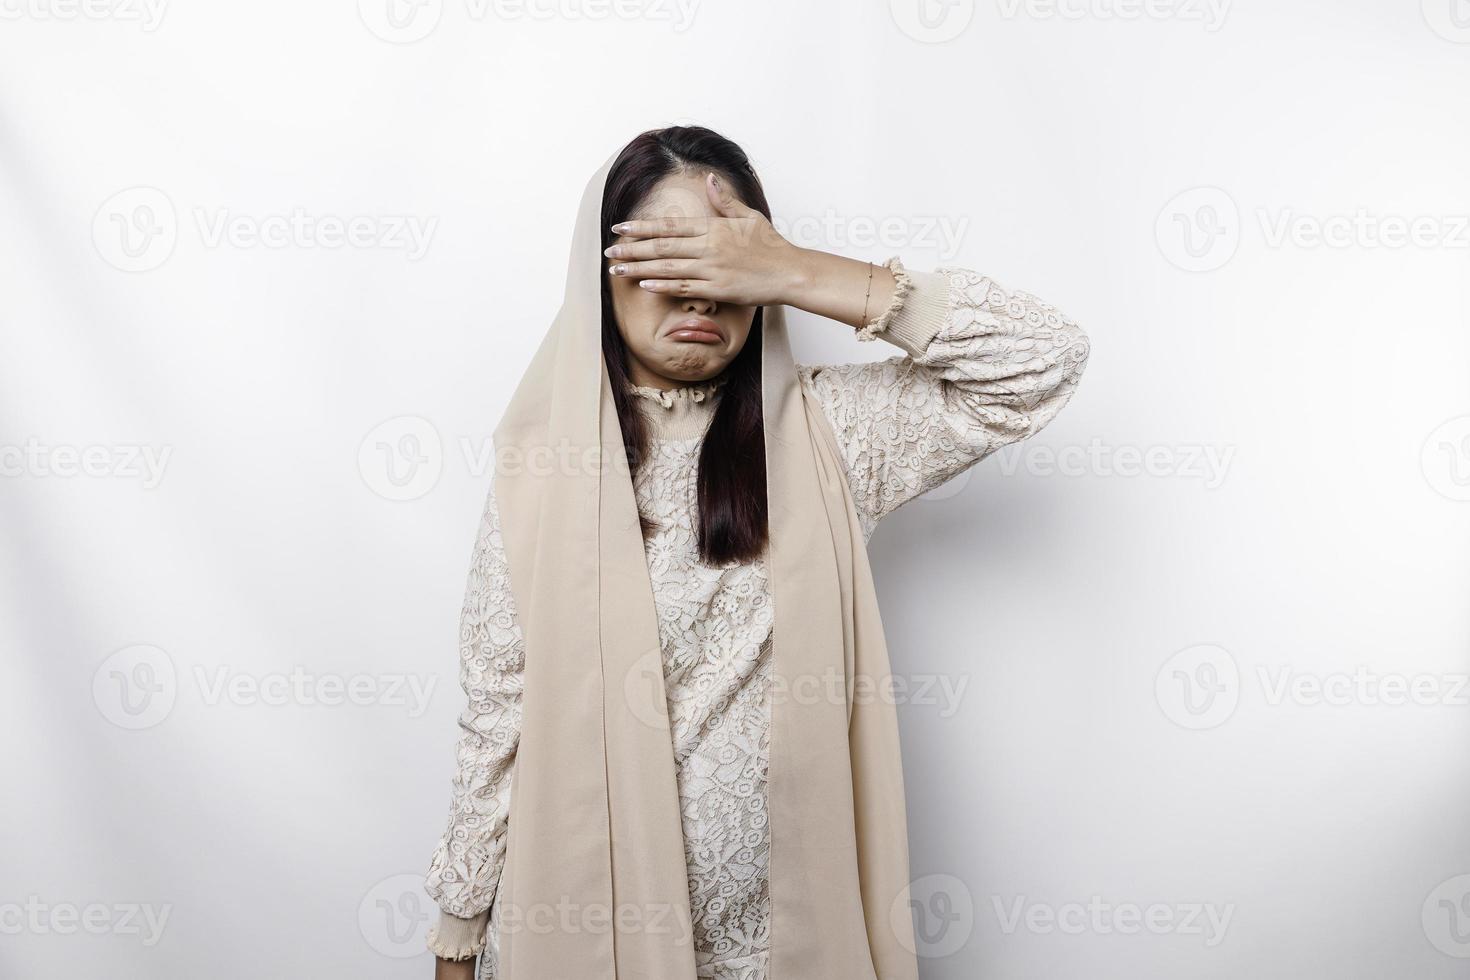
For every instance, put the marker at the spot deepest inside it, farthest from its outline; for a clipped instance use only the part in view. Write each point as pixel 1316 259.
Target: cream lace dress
pixel 983 367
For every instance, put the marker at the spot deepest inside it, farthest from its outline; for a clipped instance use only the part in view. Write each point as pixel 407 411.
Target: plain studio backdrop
pixel 1185 674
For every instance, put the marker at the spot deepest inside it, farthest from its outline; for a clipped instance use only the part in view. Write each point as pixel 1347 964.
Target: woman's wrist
pixel 801 275
pixel 850 291
pixel 454 969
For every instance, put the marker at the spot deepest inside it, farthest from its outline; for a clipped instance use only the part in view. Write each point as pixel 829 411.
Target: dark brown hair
pixel 731 524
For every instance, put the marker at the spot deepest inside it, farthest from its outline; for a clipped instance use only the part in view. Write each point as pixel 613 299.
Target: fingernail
pixel 620 227
pixel 646 283
pixel 612 251
pixel 617 270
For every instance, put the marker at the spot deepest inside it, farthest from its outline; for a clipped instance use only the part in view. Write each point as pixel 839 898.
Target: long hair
pixel 732 522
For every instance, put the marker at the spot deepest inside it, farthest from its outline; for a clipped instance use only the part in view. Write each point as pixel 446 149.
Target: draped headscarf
pixel 595 885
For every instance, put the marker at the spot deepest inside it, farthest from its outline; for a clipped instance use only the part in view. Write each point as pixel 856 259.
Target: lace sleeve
pixel 985 367
pixel 465 868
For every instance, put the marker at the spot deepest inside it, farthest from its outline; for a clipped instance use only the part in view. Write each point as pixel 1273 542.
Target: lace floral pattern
pixel 714 625
pixel 994 367
pixel 466 866
pixel 1000 368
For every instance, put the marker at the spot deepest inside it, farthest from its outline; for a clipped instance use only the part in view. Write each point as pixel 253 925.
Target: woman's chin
pixel 692 368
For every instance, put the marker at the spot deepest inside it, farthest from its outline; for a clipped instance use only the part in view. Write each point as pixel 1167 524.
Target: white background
pixel 1118 614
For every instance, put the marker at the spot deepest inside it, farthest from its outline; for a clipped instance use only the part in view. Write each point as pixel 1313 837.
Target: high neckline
pixel 682 412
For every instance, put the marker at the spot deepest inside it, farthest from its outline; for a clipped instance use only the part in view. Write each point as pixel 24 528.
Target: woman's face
pixel 675 340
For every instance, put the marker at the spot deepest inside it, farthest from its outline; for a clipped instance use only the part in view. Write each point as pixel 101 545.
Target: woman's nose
pixel 695 304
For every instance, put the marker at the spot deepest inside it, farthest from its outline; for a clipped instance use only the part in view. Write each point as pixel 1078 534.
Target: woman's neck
pixel 678 413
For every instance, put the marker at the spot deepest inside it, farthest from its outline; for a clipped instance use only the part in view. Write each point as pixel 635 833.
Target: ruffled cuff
pixel 917 311
pixel 453 938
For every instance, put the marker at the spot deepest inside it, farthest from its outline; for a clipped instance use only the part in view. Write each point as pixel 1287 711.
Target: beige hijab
pixel 595 883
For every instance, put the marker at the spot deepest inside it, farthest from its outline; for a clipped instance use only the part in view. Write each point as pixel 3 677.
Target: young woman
pixel 692 278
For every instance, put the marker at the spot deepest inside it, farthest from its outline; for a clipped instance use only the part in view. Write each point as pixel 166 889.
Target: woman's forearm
pixel 838 288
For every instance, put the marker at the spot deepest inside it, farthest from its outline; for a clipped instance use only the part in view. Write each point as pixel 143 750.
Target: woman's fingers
pixel 670 227
pixel 658 248
pixel 655 269
pixel 680 287
pixel 723 199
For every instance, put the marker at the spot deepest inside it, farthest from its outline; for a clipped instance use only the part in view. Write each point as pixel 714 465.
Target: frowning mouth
pixel 698 330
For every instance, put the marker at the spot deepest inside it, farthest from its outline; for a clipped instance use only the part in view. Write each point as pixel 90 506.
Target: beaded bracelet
pixel 867 295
